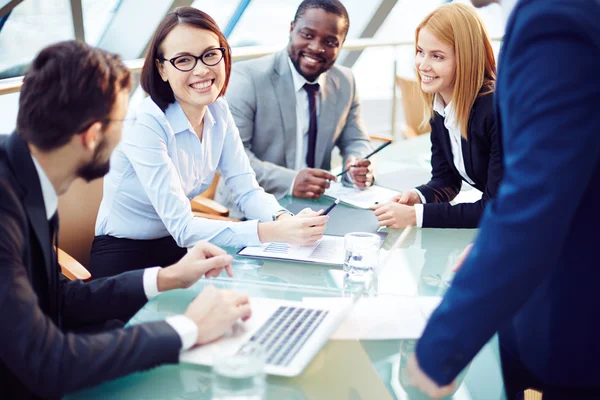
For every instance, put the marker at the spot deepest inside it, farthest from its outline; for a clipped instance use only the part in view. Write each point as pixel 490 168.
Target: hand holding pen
pixel 361 169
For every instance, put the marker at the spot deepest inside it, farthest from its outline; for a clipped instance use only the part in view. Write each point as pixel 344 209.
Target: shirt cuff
pixel 151 282
pixel 185 328
pixel 246 232
pixel 419 214
pixel 417 191
pixel 291 189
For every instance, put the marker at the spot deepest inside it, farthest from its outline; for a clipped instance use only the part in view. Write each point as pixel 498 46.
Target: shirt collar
pixel 179 121
pixel 440 108
pixel 299 80
pixel 48 192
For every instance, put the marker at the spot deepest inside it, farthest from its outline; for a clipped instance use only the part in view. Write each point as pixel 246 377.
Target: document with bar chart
pixel 328 250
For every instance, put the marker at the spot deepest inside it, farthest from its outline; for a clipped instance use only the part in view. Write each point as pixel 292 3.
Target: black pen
pixel 377 150
pixel 328 209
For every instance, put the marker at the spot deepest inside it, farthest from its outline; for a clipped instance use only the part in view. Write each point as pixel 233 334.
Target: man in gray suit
pixel 294 106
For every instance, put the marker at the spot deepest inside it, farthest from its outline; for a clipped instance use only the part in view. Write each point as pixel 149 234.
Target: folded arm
pixel 445 182
pixel 468 215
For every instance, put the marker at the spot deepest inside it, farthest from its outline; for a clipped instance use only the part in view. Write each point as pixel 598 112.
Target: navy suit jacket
pixel 39 356
pixel 482 154
pixel 534 270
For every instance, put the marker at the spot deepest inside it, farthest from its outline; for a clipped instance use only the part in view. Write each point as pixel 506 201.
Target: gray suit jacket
pixel 262 101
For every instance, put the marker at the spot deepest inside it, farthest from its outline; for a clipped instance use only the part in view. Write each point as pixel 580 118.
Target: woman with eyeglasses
pixel 456 69
pixel 183 134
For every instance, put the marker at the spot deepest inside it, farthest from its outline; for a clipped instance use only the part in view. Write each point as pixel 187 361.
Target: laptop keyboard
pixel 285 332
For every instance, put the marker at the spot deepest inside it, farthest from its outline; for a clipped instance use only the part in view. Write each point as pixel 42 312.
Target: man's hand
pixel 215 311
pixel 360 171
pixel 311 183
pixel 410 198
pixel 462 257
pixel 202 259
pixel 395 215
pixel 425 384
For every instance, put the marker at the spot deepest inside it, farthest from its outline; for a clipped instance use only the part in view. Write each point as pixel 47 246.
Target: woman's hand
pixel 306 227
pixel 409 198
pixel 395 215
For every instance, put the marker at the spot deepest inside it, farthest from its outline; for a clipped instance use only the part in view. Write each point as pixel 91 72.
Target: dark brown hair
pixel 69 86
pixel 159 90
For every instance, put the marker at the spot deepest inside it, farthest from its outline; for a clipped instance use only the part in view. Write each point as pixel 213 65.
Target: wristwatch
pixel 279 213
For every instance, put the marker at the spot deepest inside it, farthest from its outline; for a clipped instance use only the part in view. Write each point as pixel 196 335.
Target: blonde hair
pixel 458 25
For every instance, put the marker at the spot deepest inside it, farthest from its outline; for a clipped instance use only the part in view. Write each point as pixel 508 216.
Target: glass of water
pixel 362 254
pixel 240 376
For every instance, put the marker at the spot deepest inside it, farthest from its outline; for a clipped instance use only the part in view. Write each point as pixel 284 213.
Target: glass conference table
pixel 344 369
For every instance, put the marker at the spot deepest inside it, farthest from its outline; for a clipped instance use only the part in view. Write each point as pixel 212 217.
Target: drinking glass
pixel 240 376
pixel 362 254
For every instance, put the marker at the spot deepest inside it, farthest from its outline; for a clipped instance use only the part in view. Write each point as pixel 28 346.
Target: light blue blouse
pixel 161 164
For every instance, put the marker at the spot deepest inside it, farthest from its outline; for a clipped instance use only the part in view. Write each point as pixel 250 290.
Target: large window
pixel 34 24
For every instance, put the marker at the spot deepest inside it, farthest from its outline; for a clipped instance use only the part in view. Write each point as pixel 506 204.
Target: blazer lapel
pixel 286 98
pixel 327 118
pixel 468 148
pixel 20 158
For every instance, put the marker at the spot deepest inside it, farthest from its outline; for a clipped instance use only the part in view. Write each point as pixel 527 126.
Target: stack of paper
pixel 383 318
pixel 328 250
pixel 360 198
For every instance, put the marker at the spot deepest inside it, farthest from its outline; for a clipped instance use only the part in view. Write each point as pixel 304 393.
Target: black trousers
pixel 517 378
pixel 111 256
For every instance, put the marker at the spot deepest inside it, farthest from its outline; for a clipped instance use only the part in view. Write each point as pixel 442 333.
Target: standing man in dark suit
pixel 533 272
pixel 71 110
pixel 294 106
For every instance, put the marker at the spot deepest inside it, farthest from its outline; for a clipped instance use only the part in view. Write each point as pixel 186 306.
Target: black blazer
pixel 40 355
pixel 482 154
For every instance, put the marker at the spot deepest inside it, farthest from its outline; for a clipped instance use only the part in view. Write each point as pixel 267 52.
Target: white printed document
pixel 360 198
pixel 328 250
pixel 383 318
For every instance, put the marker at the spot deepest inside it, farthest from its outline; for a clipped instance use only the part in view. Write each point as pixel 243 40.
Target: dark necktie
pixel 313 91
pixel 53 222
pixel 53 284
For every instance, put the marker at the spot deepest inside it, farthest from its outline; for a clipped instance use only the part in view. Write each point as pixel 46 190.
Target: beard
pixel 96 168
pixel 295 56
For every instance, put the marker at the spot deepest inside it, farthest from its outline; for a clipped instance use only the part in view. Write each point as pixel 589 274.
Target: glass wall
pixel 34 24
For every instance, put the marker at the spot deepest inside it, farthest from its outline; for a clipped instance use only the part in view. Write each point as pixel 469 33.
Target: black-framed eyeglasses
pixel 187 62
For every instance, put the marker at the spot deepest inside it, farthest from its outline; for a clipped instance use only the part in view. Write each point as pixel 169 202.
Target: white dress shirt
pixel 185 327
pixel 303 116
pixel 161 164
pixel 447 112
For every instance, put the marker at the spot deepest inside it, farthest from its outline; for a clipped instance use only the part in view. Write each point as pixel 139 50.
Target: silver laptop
pixel 290 332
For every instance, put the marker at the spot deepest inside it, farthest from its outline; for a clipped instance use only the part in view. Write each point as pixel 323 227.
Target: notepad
pixel 360 198
pixel 329 250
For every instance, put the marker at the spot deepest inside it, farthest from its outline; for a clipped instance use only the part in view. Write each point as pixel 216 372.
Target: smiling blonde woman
pixel 457 72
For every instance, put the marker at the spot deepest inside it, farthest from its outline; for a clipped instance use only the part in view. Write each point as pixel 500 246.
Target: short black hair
pixel 332 6
pixel 69 86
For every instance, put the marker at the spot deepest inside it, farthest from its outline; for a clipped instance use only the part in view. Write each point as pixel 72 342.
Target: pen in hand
pixel 377 150
pixel 328 209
